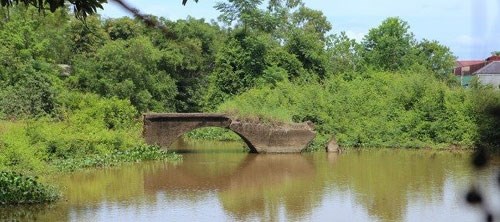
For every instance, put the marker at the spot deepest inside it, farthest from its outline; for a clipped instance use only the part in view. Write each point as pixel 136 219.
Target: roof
pixel 492 68
pixel 464 63
pixel 493 58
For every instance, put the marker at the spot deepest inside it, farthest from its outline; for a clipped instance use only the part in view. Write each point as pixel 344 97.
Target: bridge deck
pixel 182 117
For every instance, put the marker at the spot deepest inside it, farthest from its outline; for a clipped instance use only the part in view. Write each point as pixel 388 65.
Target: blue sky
pixel 471 28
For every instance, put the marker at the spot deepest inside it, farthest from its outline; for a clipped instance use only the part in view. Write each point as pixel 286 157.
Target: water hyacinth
pixel 16 188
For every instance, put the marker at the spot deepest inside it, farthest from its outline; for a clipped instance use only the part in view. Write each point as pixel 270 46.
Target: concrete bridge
pixel 164 128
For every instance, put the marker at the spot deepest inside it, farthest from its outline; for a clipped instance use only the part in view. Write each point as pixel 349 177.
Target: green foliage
pixel 213 133
pixel 486 113
pixel 28 36
pixel 122 28
pixel 319 143
pixel 309 51
pixel 89 125
pixel 86 38
pixel 28 93
pixel 389 46
pixel 436 57
pixel 28 85
pixel 16 150
pixel 312 21
pixel 375 110
pixel 263 104
pixel 127 69
pixel 392 47
pixel 81 8
pixel 268 63
pixel 242 11
pixel 237 66
pixel 344 54
pixel 267 46
pixel 17 188
pixel 189 59
pixel 136 154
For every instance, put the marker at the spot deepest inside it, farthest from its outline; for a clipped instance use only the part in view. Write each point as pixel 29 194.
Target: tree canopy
pixel 280 55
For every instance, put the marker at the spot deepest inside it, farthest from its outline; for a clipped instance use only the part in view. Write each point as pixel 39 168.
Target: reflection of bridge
pixel 163 129
pixel 243 183
pixel 257 171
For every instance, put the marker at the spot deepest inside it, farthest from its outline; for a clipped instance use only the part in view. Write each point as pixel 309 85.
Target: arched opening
pixel 211 139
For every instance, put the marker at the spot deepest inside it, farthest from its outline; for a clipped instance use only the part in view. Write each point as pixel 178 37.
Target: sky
pixel 470 28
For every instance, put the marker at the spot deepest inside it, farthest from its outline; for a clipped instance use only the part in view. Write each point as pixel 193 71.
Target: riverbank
pixel 87 131
pixel 25 188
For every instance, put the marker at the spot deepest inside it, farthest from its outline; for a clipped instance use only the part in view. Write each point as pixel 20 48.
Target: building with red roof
pixel 466 69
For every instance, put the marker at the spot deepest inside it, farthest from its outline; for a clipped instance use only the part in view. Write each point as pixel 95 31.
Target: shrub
pixel 28 93
pixel 16 150
pixel 16 188
pixel 87 125
pixel 373 109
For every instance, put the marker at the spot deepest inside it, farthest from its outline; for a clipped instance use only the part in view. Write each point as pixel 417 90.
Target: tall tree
pixel 87 37
pixel 344 54
pixel 127 69
pixel 311 21
pixel 389 46
pixel 435 57
pixel 122 28
pixel 189 58
pixel 243 12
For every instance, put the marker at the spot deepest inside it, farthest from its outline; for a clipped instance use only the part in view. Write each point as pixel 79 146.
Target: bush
pixel 127 69
pixel 373 109
pixel 87 125
pixel 486 113
pixel 16 150
pixel 28 93
pixel 91 125
pixel 16 188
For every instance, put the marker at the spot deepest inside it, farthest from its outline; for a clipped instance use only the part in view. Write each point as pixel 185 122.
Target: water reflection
pixel 383 185
pixel 384 181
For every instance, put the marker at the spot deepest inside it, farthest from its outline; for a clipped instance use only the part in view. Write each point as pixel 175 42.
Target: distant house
pixel 490 74
pixel 464 70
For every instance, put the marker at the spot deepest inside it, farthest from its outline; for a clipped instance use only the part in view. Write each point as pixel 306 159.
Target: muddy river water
pixel 220 182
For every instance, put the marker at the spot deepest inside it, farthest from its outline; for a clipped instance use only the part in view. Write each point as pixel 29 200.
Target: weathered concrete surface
pixel 332 146
pixel 163 129
pixel 284 138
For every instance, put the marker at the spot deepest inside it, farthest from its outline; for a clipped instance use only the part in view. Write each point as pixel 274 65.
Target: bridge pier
pixel 164 128
pixel 284 138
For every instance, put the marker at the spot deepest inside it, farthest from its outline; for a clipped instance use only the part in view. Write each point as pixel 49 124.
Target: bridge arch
pixel 165 129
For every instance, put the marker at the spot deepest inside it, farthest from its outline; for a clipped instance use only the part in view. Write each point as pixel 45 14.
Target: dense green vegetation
pixel 275 63
pixel 378 109
pixel 16 188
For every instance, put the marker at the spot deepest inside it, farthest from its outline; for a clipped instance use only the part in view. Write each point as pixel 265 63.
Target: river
pixel 220 182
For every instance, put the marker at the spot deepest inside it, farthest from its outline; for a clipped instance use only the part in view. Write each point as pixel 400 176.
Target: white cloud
pixel 467 40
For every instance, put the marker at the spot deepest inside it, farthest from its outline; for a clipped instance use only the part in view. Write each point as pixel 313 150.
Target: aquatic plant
pixel 136 154
pixel 16 188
